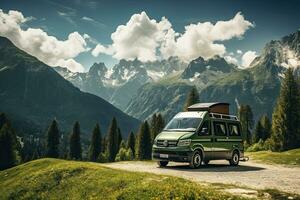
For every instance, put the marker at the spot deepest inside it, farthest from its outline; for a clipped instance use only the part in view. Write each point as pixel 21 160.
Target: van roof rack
pixel 223 116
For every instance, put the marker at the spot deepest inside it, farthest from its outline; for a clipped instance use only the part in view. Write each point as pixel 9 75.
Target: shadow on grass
pixel 215 168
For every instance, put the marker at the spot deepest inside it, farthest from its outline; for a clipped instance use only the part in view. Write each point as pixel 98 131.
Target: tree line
pixel 282 132
pixel 109 148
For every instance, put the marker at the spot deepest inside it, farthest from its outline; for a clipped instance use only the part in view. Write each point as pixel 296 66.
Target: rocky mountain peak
pixel 127 63
pixel 200 65
pixel 281 53
pixel 97 69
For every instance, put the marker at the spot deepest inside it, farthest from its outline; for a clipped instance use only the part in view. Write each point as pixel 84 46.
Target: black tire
pixel 235 159
pixel 196 160
pixel 162 163
pixel 206 162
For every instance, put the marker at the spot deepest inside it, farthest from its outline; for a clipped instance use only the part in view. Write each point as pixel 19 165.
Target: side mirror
pixel 204 131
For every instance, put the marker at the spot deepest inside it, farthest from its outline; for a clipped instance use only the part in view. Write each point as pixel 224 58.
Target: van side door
pixel 220 147
pixel 204 138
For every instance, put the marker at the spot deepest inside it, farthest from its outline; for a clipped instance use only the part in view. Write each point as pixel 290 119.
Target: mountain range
pixel 162 86
pixel 32 94
pixel 119 83
pixel 218 80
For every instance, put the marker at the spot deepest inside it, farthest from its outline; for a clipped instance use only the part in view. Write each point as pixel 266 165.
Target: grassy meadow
pixel 291 157
pixel 61 179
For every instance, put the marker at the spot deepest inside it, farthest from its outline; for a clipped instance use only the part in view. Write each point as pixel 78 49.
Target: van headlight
pixel 186 142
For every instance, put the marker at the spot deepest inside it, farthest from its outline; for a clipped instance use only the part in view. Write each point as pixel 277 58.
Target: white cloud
pixel 247 58
pixel 203 39
pixel 239 51
pixel 231 59
pixel 102 49
pixel 148 39
pixel 139 38
pixel 38 43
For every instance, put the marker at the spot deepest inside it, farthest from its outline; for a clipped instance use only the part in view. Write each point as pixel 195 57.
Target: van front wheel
pixel 162 163
pixel 196 160
pixel 235 159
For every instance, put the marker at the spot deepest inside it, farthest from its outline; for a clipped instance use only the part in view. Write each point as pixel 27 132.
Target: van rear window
pixel 234 130
pixel 220 129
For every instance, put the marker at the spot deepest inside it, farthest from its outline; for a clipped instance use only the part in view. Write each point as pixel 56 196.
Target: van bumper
pixel 172 155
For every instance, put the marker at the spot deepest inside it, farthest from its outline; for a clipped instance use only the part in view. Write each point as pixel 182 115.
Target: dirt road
pixel 249 174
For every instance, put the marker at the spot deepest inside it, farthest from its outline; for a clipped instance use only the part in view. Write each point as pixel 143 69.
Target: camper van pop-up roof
pixel 215 107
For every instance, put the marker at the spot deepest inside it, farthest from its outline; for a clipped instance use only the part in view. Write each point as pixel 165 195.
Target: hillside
pixel 58 179
pixel 33 93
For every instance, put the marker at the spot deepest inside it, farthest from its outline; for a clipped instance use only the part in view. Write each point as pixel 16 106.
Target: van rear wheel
pixel 235 159
pixel 162 163
pixel 196 160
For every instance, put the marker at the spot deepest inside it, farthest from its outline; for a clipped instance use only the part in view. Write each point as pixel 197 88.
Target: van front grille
pixel 166 143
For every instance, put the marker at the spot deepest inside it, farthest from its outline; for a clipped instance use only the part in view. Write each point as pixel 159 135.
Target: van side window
pixel 220 129
pixel 205 128
pixel 234 130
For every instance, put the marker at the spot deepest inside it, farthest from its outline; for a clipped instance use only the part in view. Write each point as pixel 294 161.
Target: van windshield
pixel 183 124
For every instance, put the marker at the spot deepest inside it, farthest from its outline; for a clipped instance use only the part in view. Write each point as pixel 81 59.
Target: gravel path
pixel 248 174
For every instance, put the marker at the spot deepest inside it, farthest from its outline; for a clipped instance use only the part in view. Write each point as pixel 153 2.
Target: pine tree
pixel 257 132
pixel 247 121
pixel 52 144
pixel 156 126
pixel 120 139
pixel 153 127
pixel 286 115
pixel 266 124
pixel 112 140
pixel 262 130
pixel 3 119
pixel 131 142
pixel 160 123
pixel 192 98
pixel 75 144
pixel 144 142
pixel 7 147
pixel 104 144
pixel 96 143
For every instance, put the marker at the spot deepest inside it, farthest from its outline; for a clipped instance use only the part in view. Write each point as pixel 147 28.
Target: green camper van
pixel 205 132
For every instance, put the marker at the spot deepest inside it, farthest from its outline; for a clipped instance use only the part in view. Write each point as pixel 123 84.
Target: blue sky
pixel 99 19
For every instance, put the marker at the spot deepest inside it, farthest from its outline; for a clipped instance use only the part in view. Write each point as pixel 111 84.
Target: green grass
pixel 59 179
pixel 291 157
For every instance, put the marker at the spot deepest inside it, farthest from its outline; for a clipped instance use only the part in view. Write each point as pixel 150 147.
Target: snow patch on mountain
pixel 196 75
pixel 291 59
pixel 155 75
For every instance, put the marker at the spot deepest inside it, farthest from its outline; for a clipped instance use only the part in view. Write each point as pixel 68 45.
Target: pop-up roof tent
pixel 215 107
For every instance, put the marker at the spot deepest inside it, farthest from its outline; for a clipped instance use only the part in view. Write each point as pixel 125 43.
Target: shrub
pixel 124 154
pixel 259 146
pixel 103 157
